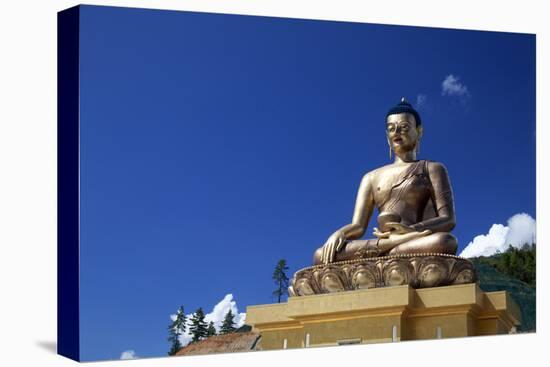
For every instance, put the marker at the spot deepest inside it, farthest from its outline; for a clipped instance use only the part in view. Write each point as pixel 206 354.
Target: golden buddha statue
pixel 414 199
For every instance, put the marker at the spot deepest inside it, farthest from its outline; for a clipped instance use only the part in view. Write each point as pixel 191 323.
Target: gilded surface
pixel 384 314
pixel 417 270
pixel 414 198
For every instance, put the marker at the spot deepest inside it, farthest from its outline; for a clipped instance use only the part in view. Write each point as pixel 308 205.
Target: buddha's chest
pixel 402 184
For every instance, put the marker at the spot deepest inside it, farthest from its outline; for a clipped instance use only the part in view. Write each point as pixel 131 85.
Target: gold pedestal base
pixel 417 270
pixel 383 315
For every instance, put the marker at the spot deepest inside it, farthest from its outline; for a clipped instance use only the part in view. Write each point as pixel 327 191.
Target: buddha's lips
pixel 397 140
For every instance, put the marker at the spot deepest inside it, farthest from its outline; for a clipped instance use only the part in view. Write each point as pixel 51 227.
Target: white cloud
pixel 521 229
pixel 487 244
pixel 129 354
pixel 421 100
pixel 452 86
pixel 221 309
pixel 216 315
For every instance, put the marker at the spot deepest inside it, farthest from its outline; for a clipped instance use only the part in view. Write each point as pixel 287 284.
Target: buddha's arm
pixel 443 201
pixel 364 206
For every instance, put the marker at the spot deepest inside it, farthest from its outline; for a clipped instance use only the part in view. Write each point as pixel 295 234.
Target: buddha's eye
pixel 404 127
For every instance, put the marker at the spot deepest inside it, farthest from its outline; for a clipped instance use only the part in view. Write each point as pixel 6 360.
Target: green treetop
pixel 198 327
pixel 211 331
pixel 228 324
pixel 175 330
pixel 280 279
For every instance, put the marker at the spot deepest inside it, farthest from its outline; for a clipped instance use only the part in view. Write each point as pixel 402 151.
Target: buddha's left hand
pixel 398 228
pixel 392 228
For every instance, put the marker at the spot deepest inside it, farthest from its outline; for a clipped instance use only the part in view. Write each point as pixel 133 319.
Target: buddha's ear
pixel 420 130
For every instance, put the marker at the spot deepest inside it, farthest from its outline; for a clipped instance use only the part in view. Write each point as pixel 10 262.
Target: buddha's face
pixel 402 132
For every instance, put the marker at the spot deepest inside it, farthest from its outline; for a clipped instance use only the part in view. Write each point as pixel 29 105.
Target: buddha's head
pixel 403 127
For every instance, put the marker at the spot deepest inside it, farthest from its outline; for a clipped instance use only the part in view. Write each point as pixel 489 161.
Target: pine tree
pixel 211 331
pixel 175 330
pixel 198 327
pixel 281 280
pixel 519 263
pixel 228 324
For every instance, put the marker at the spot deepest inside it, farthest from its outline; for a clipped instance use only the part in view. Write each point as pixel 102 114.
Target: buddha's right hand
pixel 334 244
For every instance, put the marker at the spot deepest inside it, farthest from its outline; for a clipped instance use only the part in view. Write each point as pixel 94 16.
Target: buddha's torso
pixel 403 189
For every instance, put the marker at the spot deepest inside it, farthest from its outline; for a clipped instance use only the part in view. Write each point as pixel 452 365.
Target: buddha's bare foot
pixel 400 238
pixel 439 242
pixel 371 249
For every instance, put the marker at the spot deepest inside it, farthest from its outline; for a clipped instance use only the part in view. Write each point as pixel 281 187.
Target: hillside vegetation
pixel 512 271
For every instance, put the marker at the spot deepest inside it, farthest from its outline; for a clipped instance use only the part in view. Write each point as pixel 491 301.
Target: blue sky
pixel 214 145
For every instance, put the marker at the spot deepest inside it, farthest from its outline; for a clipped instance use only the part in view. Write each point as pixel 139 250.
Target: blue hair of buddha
pixel 405 107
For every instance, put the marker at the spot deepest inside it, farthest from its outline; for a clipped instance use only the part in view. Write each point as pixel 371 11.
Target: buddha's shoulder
pixel 436 167
pixel 377 173
pixel 389 169
pixel 380 170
